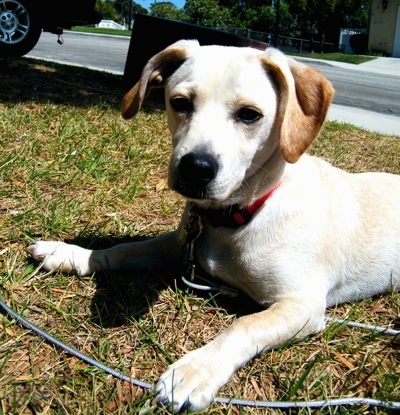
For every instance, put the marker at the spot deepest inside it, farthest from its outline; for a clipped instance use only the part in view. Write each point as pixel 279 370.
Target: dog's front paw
pixel 59 256
pixel 192 382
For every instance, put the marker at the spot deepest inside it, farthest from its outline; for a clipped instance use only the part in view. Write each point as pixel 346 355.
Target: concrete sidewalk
pixel 387 66
pixel 368 120
pixel 383 66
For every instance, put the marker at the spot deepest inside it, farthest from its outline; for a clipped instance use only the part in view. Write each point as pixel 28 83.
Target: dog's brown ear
pixel 304 99
pixel 154 75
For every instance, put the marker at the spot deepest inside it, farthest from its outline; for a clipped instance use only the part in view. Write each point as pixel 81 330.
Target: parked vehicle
pixel 22 21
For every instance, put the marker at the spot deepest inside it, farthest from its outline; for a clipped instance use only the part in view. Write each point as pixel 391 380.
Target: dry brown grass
pixel 72 169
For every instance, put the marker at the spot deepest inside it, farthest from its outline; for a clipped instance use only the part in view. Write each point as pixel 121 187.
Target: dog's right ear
pixel 154 75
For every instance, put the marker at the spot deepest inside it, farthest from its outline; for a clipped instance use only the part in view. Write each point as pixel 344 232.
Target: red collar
pixel 235 215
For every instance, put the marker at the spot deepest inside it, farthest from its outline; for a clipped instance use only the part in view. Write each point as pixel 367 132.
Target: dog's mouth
pixel 193 190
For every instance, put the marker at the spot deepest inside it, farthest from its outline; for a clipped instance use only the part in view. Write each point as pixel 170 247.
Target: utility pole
pixel 277 4
pixel 130 15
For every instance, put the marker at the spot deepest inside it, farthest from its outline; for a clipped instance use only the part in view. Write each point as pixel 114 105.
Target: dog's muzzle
pixel 194 174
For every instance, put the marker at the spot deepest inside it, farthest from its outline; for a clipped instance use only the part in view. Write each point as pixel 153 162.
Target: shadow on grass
pixel 27 80
pixel 124 296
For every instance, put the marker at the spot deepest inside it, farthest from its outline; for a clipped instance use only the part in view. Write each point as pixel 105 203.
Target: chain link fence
pixel 290 44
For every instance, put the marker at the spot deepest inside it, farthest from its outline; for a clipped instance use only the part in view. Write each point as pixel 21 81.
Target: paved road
pixel 105 53
pixel 366 90
pixel 360 95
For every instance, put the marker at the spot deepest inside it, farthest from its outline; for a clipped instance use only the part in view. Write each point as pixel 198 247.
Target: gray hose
pixel 71 350
pixel 239 402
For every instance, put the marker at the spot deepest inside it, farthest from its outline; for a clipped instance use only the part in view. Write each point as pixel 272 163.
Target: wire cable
pixel 71 350
pixel 239 402
pixel 382 330
pixel 309 404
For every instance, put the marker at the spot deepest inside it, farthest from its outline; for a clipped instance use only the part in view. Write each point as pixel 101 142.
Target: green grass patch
pixel 101 30
pixel 338 57
pixel 72 169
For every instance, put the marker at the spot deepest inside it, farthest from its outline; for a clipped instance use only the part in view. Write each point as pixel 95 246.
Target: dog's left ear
pixel 154 75
pixel 304 96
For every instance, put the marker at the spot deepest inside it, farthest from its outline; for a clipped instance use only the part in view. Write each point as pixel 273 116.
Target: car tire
pixel 20 27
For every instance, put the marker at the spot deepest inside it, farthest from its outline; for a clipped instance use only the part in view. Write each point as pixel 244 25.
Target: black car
pixel 22 21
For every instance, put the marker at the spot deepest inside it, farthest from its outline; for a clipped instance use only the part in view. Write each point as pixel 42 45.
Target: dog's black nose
pixel 198 169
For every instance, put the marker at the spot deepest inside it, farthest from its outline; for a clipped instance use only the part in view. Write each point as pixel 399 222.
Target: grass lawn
pixel 102 30
pixel 338 57
pixel 72 169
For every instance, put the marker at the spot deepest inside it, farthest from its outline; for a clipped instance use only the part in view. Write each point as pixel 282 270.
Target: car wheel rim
pixel 14 21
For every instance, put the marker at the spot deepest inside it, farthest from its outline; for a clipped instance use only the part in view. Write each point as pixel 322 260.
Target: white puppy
pixel 290 230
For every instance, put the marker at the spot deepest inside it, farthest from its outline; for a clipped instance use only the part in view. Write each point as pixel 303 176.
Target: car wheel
pixel 20 27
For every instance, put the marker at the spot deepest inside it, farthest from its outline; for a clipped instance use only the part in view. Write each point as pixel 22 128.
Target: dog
pixel 293 232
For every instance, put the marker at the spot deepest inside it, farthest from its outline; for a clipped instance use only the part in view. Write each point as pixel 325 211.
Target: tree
pixel 354 14
pixel 126 9
pixel 137 8
pixel 322 19
pixel 106 8
pixel 208 13
pixel 167 10
pixel 259 18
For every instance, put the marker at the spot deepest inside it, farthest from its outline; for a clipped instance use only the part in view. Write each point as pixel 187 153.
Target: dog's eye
pixel 248 115
pixel 182 105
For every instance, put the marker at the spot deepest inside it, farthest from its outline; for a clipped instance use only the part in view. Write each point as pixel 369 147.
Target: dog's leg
pixel 193 381
pixel 157 253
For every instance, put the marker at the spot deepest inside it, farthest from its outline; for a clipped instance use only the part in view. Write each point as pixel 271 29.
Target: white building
pixel 110 24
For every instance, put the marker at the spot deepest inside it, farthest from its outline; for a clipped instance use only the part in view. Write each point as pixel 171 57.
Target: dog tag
pixel 193 227
pixel 188 260
pixel 186 251
pixel 193 230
